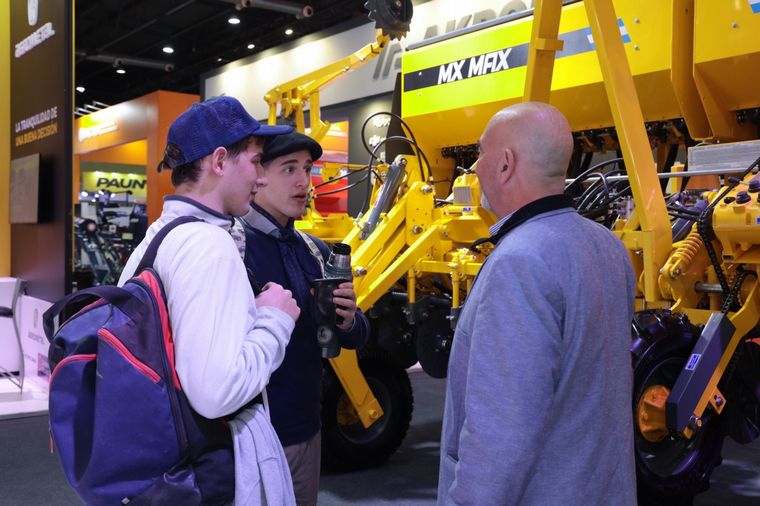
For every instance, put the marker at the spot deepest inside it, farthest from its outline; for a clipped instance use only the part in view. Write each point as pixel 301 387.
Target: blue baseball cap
pixel 216 122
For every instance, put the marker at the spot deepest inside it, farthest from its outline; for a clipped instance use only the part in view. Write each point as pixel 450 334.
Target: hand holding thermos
pixel 335 299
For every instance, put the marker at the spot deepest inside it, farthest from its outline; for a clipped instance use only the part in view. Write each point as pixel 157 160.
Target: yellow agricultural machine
pixel 653 82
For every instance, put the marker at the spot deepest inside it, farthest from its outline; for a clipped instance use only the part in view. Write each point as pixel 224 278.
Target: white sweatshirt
pixel 225 349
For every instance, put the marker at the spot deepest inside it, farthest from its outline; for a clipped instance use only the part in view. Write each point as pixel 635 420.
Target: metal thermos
pixel 337 271
pixel 339 263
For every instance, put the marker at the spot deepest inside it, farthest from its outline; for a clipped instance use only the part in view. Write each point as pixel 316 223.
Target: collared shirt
pixel 496 226
pixel 295 388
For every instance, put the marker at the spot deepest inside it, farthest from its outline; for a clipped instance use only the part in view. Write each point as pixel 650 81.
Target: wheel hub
pixel 347 415
pixel 650 413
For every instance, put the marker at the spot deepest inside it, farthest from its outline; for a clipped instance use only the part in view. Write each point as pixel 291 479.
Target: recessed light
pixel 251 46
pixel 121 71
pixel 80 89
pixel 289 31
pixel 168 49
pixel 219 60
pixel 234 20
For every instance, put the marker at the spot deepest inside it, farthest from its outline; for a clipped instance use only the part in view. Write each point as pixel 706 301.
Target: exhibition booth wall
pixel 116 187
pixel 5 135
pixel 132 133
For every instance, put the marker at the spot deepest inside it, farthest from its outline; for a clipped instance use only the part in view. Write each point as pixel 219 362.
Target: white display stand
pixel 33 341
pixel 23 391
pixel 11 353
pixel 17 404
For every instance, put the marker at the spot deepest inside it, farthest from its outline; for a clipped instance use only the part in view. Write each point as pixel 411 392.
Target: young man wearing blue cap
pixel 226 343
pixel 275 252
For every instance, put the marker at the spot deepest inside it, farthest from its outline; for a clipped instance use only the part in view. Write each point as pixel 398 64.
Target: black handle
pixel 119 297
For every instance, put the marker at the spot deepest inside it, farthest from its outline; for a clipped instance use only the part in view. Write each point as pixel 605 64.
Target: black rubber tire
pixel 741 418
pixel 673 470
pixel 352 447
pixel 430 333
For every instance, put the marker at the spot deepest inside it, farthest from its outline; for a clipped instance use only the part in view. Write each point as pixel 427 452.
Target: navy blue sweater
pixel 294 389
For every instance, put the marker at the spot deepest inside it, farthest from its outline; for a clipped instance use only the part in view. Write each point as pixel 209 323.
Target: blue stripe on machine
pixel 589 37
pixel 693 361
pixel 624 32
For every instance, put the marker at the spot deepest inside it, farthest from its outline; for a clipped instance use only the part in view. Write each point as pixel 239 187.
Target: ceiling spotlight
pixel 120 70
pixel 251 46
pixel 233 20
pixel 289 31
pixel 80 89
pixel 168 49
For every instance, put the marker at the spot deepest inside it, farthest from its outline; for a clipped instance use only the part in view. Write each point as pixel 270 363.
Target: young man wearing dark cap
pixel 226 343
pixel 275 252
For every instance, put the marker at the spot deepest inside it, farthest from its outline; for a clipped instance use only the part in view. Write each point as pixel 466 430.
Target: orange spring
pixel 681 259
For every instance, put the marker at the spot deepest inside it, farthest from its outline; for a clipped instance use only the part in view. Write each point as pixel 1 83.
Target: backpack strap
pixel 314 250
pixel 150 254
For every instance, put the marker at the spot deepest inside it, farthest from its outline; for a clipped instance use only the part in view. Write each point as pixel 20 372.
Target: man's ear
pixel 218 157
pixel 507 165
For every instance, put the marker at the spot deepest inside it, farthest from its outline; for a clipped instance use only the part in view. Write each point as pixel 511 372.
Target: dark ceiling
pixel 134 33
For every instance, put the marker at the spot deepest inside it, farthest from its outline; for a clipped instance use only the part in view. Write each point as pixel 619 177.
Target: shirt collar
pixel 495 227
pixel 261 220
pixel 179 205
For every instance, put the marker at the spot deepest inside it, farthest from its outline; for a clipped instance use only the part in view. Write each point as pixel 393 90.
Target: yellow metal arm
pixel 624 103
pixel 654 235
pixel 544 43
pixel 400 265
pixel 346 367
pixel 293 95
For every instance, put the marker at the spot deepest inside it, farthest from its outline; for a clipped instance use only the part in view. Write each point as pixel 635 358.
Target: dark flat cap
pixel 290 143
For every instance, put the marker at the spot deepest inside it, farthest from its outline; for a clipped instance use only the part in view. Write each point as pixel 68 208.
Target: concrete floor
pixel 410 476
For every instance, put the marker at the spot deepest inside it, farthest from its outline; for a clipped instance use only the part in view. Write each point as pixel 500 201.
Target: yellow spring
pixel 680 260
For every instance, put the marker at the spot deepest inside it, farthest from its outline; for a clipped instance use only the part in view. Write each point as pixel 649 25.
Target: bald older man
pixel 538 404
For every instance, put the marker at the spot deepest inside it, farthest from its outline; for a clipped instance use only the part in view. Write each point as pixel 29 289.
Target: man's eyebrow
pixel 293 160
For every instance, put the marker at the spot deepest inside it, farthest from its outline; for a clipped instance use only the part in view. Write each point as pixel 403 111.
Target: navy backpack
pixel 119 421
